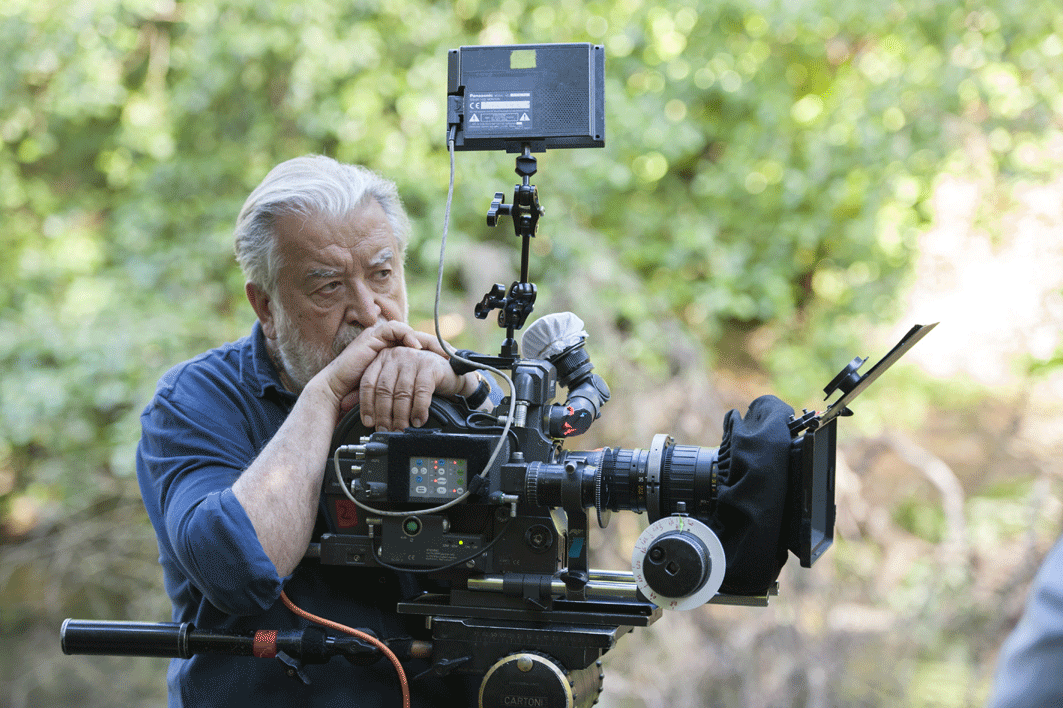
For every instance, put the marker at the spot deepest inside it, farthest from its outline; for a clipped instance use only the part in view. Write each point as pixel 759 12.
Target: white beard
pixel 300 361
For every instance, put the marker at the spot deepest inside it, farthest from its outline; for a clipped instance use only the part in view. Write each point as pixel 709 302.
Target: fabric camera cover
pixel 754 462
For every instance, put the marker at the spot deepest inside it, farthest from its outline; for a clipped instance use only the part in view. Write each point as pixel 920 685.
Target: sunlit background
pixel 785 185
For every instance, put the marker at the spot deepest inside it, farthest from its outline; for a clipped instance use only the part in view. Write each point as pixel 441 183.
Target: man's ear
pixel 262 304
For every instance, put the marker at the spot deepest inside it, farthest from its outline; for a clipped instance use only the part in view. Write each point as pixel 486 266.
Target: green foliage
pixel 764 164
pixel 768 167
pixel 922 518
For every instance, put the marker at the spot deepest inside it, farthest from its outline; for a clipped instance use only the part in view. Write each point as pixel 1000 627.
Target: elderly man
pixel 235 440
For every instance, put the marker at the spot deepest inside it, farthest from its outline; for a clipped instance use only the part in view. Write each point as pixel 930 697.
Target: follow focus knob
pixel 678 563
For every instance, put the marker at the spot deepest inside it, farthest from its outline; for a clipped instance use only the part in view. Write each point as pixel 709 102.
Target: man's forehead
pixel 316 269
pixel 364 233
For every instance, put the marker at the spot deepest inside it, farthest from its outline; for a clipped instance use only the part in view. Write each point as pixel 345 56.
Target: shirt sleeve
pixel 197 438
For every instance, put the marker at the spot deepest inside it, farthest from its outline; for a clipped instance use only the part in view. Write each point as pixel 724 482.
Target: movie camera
pixel 486 499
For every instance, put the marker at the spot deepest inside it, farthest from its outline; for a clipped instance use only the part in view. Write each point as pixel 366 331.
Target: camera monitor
pixel 541 95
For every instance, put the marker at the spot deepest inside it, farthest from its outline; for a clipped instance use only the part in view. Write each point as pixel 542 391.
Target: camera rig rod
pixel 614 585
pixel 518 303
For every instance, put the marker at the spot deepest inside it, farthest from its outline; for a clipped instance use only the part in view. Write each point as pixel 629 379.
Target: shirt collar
pixel 262 376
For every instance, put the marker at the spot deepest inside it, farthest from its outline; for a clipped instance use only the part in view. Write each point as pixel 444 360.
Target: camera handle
pixel 311 645
pixel 515 305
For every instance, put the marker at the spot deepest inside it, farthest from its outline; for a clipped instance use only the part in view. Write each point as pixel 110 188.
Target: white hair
pixel 309 186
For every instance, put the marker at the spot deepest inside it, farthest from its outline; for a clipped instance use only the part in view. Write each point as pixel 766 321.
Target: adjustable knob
pixel 678 563
pixel 497 209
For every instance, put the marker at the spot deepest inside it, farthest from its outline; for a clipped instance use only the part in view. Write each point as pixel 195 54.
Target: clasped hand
pixel 392 371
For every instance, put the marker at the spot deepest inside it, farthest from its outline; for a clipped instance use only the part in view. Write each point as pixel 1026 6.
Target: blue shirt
pixel 208 421
pixel 1030 666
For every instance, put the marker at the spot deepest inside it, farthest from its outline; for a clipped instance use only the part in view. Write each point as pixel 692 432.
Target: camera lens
pixel 662 480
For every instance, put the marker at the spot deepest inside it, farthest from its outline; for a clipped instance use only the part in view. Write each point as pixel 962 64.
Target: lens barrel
pixel 661 480
pixel 664 481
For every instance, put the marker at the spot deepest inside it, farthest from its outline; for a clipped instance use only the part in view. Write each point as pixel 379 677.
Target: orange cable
pixel 360 635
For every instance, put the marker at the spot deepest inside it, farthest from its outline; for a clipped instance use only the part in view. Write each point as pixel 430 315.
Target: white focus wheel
pixel 678 563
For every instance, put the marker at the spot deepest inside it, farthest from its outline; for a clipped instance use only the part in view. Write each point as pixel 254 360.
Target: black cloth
pixel 751 508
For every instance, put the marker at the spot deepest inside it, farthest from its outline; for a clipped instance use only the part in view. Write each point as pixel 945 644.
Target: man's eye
pixel 331 287
pixel 383 274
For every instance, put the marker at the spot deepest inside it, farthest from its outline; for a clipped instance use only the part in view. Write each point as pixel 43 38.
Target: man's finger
pixel 367 393
pixel 422 397
pixel 431 343
pixel 348 402
pixel 395 386
pixel 392 333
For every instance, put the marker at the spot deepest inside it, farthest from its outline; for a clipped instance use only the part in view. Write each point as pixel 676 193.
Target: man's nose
pixel 363 308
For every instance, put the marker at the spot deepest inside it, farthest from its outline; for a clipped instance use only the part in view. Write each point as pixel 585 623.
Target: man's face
pixel 336 277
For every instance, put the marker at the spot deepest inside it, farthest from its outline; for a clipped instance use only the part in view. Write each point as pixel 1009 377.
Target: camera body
pixel 467 496
pixel 476 493
pixel 493 506
pixel 500 515
pixel 419 469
